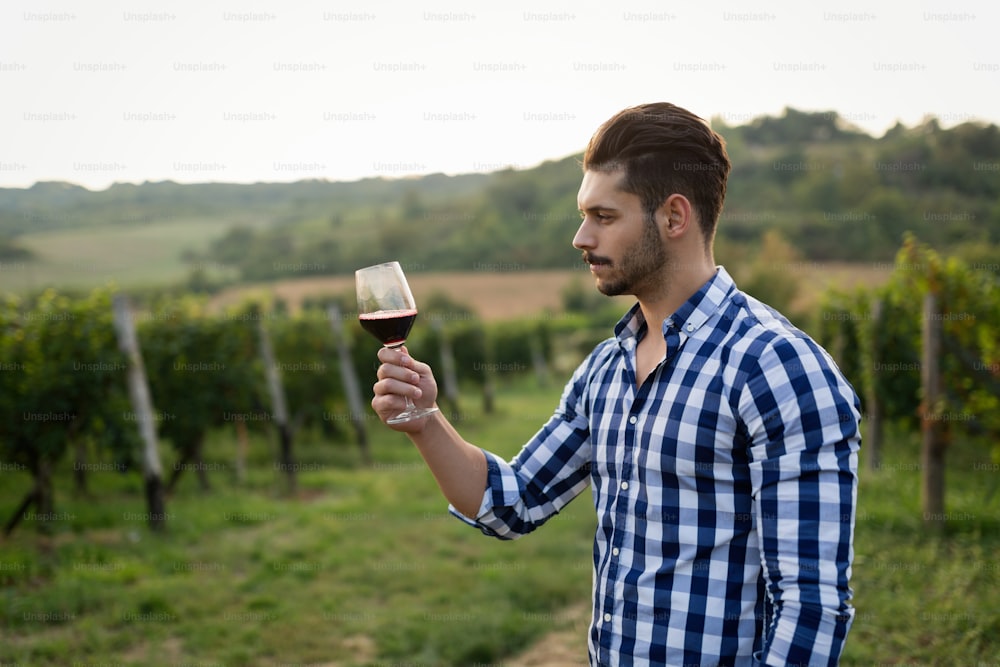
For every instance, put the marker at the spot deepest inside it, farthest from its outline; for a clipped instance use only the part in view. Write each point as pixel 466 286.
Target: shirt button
pixel 624 485
pixel 633 419
pixel 614 552
pixel 690 326
pixel 607 618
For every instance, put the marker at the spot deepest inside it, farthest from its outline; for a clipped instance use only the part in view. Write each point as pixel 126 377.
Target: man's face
pixel 623 248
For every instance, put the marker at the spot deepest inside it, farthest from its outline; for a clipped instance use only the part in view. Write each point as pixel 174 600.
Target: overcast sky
pixel 97 92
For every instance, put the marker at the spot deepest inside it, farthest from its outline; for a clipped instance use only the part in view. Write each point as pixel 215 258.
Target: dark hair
pixel 664 149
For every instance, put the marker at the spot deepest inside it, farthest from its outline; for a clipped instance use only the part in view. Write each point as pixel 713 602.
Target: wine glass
pixel 386 310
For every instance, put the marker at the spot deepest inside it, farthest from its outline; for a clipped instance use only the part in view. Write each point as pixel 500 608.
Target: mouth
pixel 593 260
pixel 596 264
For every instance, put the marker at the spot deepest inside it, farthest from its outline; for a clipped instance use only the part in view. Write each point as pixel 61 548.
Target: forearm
pixel 458 466
pixel 524 493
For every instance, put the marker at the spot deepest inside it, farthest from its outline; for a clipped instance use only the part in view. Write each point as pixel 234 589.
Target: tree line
pixel 833 193
pixel 829 189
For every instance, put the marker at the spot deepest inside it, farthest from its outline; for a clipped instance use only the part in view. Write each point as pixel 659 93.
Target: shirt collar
pixel 692 314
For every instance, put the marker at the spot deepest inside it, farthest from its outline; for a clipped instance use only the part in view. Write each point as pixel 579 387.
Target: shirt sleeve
pixel 802 419
pixel 550 470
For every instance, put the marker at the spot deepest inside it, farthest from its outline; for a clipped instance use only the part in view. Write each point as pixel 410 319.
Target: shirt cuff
pixel 502 490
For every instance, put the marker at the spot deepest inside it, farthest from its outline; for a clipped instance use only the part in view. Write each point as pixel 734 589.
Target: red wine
pixel 389 326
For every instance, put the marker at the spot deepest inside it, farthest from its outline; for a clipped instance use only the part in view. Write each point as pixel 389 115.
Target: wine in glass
pixel 387 310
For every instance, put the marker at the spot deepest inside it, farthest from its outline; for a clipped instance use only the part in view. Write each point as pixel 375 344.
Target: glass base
pixel 410 414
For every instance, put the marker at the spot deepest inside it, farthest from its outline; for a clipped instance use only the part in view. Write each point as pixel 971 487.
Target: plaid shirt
pixel 725 489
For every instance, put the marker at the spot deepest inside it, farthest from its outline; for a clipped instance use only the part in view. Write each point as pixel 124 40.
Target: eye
pixel 601 217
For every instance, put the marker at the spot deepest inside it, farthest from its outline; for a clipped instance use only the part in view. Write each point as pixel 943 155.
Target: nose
pixel 584 238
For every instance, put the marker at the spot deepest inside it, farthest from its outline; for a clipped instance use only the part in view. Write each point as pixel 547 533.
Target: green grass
pixel 139 254
pixel 922 598
pixel 365 566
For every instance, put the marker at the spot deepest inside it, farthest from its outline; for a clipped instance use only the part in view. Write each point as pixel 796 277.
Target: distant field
pixel 497 296
pixel 493 296
pixel 814 278
pixel 126 255
pixel 146 255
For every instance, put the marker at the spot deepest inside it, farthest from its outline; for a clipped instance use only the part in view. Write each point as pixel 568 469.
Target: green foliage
pixel 62 378
pixel 767 276
pixel 10 251
pixel 202 369
pixel 833 192
pixel 470 343
pixel 307 360
pixel 798 127
pixel 61 381
pixel 881 349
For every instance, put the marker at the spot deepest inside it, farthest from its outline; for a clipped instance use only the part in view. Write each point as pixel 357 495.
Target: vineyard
pixel 65 384
pixel 66 387
pixel 923 351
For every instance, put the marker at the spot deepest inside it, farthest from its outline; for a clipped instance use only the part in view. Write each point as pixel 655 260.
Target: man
pixel 720 442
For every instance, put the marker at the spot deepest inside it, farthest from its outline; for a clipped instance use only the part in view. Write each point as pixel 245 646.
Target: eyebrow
pixel 597 208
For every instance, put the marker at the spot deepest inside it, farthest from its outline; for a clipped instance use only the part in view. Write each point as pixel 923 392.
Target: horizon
pixel 101 94
pixel 418 176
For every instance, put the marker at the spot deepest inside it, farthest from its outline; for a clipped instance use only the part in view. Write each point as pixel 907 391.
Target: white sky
pixel 97 92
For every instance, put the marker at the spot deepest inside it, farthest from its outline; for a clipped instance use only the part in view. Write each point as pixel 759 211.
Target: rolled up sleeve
pixel 548 472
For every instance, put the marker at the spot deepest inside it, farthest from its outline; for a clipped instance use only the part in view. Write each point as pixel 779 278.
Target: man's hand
pixel 458 466
pixel 401 376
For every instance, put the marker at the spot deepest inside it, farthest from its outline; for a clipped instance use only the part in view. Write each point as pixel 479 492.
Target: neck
pixel 677 283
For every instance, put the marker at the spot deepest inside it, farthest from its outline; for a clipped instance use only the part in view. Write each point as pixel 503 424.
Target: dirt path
pixel 566 646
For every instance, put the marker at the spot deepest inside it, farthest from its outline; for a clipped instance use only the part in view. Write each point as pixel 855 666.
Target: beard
pixel 641 264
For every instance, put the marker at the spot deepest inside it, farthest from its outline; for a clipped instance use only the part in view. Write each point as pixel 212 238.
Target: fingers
pixel 401 388
pixel 388 405
pixel 400 356
pixel 396 386
pixel 397 365
pixel 401 377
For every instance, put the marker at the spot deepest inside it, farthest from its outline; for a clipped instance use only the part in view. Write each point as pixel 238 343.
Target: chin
pixel 612 289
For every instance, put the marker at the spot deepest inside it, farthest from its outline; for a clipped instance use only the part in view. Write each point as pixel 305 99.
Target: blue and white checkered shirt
pixel 725 488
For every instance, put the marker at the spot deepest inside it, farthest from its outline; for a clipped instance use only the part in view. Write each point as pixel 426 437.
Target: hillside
pixel 831 191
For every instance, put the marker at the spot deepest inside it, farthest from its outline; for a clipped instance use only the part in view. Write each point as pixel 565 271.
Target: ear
pixel 676 216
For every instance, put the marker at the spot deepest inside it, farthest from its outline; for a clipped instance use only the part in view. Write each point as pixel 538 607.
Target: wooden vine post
pixel 349 379
pixel 142 404
pixel 279 407
pixel 933 442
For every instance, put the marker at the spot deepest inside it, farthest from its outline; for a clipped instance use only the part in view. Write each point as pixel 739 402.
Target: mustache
pixel 595 259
